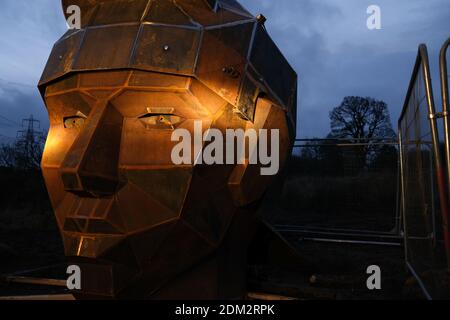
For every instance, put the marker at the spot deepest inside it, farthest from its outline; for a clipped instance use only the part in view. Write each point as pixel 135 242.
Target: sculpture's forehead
pixel 175 37
pixel 132 92
pixel 153 35
pixel 203 12
pixel 216 42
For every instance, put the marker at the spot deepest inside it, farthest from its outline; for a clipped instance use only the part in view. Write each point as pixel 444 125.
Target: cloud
pixel 326 41
pixel 18 102
pixel 336 55
pixel 29 29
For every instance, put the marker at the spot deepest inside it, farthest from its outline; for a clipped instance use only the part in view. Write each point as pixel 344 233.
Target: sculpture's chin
pixel 101 279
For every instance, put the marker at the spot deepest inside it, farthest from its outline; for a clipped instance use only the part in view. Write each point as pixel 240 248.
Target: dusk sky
pixel 327 42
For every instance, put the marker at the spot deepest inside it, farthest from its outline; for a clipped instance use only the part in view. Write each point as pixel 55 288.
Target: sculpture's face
pixel 108 154
pixel 109 170
pixel 125 209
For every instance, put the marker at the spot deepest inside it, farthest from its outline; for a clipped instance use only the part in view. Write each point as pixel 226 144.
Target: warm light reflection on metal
pixel 138 225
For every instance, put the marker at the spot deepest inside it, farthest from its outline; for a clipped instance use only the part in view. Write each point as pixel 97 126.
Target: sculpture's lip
pixel 94 235
pixel 93 217
pixel 89 246
pixel 114 277
pixel 86 226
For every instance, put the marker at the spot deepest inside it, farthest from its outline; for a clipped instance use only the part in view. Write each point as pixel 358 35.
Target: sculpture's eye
pixel 74 122
pixel 160 121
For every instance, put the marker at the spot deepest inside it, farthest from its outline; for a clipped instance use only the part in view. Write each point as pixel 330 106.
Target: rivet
pixel 261 19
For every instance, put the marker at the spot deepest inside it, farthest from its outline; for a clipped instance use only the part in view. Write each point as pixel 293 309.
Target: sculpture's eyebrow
pixel 81 114
pixel 158 111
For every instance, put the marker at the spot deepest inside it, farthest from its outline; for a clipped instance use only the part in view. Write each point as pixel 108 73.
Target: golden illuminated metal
pixel 138 225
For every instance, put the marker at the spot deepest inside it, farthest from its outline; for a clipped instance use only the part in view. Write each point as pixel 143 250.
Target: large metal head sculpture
pixel 137 224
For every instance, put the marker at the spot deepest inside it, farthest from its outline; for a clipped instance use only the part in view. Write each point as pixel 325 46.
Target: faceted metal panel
pixel 56 193
pixel 120 11
pixel 145 244
pixel 184 246
pixel 99 280
pixel 75 155
pixel 70 83
pixel 147 211
pixel 62 57
pixel 152 147
pixel 168 186
pixel 249 94
pixel 212 4
pixel 167 49
pixel 98 165
pixel 61 139
pixel 99 226
pixel 207 98
pixel 114 43
pixel 168 12
pixel 115 92
pixel 89 247
pixel 246 183
pixel 141 79
pixel 109 79
pixel 230 46
pixel 201 12
pixel 88 8
pixel 101 94
pixel 207 210
pixel 270 63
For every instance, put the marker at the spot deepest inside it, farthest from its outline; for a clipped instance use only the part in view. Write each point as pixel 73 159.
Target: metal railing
pixel 445 103
pixel 344 190
pixel 445 116
pixel 420 149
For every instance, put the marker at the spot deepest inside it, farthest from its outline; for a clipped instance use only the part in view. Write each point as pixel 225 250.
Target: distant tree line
pixel 25 153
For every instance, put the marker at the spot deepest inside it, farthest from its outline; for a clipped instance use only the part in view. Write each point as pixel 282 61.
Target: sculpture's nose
pixel 91 165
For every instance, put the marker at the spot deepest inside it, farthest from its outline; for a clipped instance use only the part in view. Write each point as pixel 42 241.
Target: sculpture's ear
pixel 247 183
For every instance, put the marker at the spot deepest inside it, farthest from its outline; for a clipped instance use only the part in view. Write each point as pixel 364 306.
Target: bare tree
pixel 7 156
pixel 28 151
pixel 311 150
pixel 361 118
pixel 24 154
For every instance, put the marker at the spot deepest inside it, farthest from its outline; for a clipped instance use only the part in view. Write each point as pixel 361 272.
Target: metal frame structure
pixel 349 235
pixel 445 116
pixel 422 66
pixel 445 103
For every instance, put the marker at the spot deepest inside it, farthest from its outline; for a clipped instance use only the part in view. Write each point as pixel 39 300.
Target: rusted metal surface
pixel 34 281
pixel 136 224
pixel 50 297
pixel 258 296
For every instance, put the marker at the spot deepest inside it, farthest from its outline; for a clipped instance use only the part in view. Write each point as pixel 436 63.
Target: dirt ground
pixel 338 270
pixel 24 250
pixel 29 239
